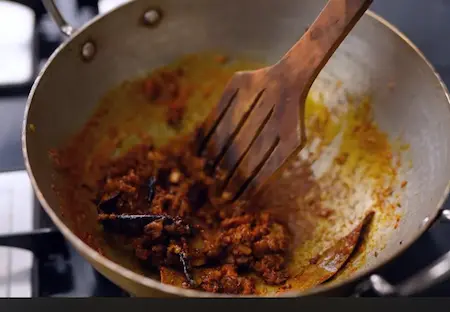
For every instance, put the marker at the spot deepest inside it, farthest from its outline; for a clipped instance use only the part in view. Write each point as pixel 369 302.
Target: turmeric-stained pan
pixel 157 198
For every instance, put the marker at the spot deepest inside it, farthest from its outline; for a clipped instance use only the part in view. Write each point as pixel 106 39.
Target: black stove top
pixel 64 273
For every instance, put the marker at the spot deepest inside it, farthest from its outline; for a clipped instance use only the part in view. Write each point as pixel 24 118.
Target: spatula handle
pixel 309 55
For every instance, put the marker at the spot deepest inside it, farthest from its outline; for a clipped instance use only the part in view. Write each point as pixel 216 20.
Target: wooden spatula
pixel 258 125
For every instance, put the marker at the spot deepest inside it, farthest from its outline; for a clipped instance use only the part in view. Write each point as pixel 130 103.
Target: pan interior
pixel 348 167
pixel 373 74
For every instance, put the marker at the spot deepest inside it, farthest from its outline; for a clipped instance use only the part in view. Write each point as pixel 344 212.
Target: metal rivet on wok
pixel 88 51
pixel 152 17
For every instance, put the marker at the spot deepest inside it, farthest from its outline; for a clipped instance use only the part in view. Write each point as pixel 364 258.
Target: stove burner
pixel 62 272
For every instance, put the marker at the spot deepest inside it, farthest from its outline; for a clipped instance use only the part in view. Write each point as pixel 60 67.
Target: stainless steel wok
pixel 144 34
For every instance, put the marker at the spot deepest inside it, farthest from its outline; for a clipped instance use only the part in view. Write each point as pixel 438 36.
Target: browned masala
pixel 226 237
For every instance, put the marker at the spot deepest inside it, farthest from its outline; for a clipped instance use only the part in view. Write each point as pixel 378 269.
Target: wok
pixel 144 34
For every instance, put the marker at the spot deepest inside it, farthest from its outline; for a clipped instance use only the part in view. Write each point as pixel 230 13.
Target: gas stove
pixel 57 270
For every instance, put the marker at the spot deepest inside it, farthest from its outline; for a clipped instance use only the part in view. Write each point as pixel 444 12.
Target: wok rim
pixel 94 257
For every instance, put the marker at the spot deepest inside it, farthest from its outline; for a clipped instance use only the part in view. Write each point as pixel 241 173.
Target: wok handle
pixel 54 12
pixel 436 272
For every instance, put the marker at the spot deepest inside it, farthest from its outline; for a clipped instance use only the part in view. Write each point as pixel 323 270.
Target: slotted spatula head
pixel 258 125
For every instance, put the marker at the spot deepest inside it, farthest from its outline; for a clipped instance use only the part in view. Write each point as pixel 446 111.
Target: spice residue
pixel 115 167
